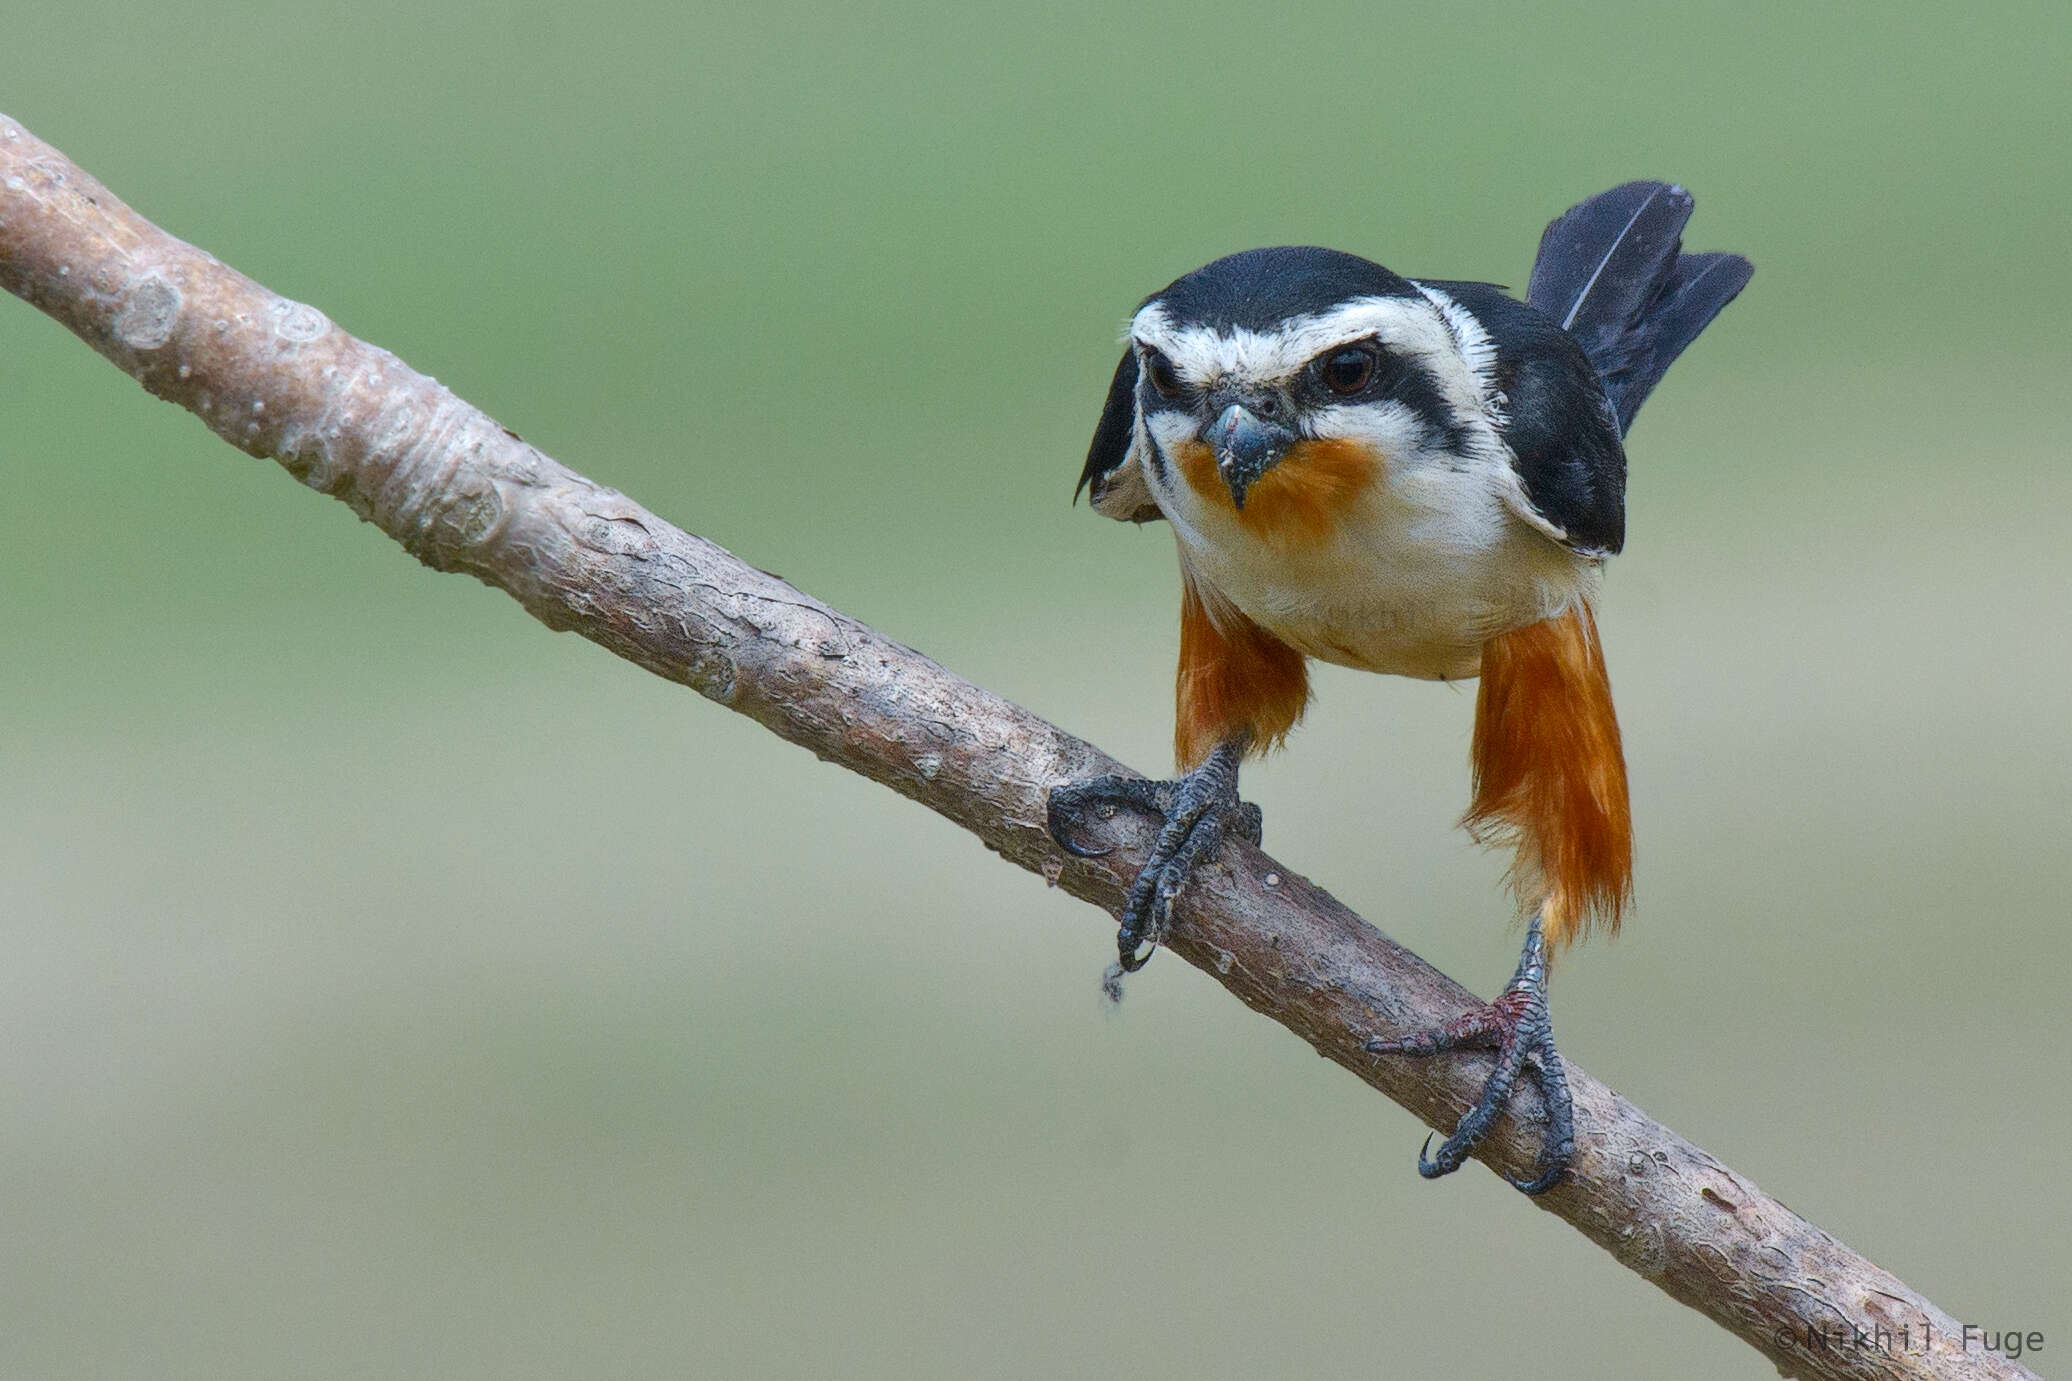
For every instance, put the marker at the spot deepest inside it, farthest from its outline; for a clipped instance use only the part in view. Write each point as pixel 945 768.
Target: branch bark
pixel 275 378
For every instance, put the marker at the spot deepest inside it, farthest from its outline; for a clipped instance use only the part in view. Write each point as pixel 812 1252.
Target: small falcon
pixel 1419 477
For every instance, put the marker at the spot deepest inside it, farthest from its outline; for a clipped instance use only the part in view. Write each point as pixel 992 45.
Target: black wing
pixel 1612 273
pixel 1117 496
pixel 1557 420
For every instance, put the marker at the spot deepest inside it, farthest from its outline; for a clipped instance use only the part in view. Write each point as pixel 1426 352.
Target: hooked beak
pixel 1245 448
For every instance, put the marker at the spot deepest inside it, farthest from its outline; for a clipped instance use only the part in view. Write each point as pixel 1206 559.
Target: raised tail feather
pixel 1612 272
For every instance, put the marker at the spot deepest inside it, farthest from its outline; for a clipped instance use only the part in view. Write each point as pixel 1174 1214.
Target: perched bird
pixel 1417 477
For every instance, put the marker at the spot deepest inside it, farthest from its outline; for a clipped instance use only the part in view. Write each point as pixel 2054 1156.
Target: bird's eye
pixel 1349 370
pixel 1164 377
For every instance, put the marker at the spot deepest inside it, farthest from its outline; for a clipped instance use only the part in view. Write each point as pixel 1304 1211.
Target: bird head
pixel 1260 377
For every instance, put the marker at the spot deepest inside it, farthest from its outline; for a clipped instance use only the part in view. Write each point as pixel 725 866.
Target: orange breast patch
pixel 1303 498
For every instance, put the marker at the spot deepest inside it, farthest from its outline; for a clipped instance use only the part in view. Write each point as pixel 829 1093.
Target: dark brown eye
pixel 1164 377
pixel 1349 370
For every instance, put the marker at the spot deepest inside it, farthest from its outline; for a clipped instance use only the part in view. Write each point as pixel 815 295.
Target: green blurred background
pixel 393 989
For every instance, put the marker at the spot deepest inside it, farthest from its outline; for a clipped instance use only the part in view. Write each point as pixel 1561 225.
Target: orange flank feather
pixel 1234 677
pixel 1302 498
pixel 1550 778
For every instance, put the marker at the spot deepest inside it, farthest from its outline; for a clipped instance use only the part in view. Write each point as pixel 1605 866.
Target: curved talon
pixel 1066 808
pixel 1542 1182
pixel 1545 1172
pixel 1080 850
pixel 1059 810
pixel 1560 1146
pixel 1516 1023
pixel 1198 809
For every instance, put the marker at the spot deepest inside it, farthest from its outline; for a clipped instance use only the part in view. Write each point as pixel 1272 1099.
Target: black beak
pixel 1245 448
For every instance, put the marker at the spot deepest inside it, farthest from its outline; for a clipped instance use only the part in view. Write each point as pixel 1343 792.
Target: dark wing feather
pixel 1697 288
pixel 1117 495
pixel 1111 444
pixel 1556 420
pixel 1611 272
pixel 1600 261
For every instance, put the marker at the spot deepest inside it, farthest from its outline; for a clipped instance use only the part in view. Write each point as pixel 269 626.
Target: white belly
pixel 1416 578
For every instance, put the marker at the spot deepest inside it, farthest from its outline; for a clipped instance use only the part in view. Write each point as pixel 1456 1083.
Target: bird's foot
pixel 1198 809
pixel 1518 1027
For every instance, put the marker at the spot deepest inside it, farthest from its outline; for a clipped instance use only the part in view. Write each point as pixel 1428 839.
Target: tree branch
pixel 460 492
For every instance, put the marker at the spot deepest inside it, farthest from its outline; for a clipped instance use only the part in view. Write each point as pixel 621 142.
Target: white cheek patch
pixel 1183 508
pixel 1167 431
pixel 1475 350
pixel 1170 428
pixel 1394 430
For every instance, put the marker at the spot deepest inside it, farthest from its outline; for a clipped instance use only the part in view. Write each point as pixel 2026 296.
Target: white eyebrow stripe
pixel 1202 354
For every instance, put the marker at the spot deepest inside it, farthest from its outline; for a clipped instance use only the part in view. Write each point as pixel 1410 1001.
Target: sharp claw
pixel 1560 1145
pixel 1542 1182
pixel 1552 1168
pixel 1065 811
pixel 1062 816
pixel 1197 809
pixel 1517 1024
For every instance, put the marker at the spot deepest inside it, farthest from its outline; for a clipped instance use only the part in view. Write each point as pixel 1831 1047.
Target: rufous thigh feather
pixel 1234 677
pixel 1550 777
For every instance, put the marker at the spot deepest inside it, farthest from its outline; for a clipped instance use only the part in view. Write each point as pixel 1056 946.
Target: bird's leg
pixel 1198 809
pixel 1517 1026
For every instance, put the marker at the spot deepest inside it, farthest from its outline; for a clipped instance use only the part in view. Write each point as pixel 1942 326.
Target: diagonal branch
pixel 460 492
